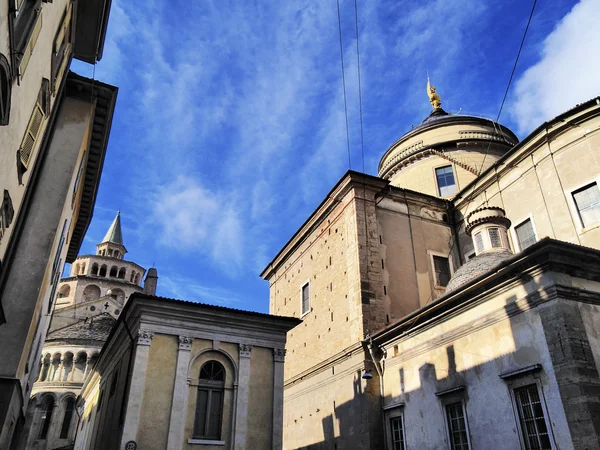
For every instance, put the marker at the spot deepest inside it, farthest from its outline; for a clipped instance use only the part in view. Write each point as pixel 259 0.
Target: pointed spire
pixel 114 233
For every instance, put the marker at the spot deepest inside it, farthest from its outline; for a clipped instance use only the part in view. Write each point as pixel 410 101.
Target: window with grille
pixel 209 401
pixel 525 234
pixel 457 426
pixel 587 200
pixel 445 181
pixel 531 418
pixel 479 242
pixel 397 430
pixel 441 266
pixel 305 298
pixel 495 238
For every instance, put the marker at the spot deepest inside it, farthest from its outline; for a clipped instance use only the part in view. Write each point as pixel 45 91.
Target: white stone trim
pixel 278 380
pixel 513 231
pixel 180 395
pixel 241 407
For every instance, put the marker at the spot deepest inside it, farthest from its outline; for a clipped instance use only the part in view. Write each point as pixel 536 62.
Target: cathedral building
pixel 88 303
pixel 452 301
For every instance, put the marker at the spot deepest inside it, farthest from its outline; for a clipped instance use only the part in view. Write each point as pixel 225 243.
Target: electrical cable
pixel 344 82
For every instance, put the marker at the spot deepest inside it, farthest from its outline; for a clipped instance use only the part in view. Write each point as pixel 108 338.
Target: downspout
pixel 368 341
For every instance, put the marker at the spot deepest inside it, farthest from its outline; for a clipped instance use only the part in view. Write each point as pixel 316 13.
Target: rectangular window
pixel 27 24
pixel 531 418
pixel 441 266
pixel 445 181
pixel 495 239
pixel 397 433
pixel 457 426
pixel 305 298
pixel 525 234
pixel 479 242
pixel 587 200
pixel 61 48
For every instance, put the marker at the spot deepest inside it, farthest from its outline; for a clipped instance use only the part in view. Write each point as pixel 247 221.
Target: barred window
pixel 397 430
pixel 525 234
pixel 209 401
pixel 457 426
pixel 479 242
pixel 531 418
pixel 495 237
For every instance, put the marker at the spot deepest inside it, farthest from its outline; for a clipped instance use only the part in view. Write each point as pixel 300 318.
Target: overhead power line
pixel 344 82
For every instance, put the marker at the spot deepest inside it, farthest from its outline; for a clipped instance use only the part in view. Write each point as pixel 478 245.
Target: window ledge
pixel 205 442
pixel 589 228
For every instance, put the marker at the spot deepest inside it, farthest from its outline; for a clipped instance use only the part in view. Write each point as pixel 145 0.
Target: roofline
pixel 515 265
pixel 524 143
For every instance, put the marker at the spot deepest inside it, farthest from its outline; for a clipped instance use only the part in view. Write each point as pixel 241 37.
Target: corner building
pixel 380 251
pixel 87 306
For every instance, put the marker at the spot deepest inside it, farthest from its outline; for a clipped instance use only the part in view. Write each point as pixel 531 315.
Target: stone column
pixel 278 360
pixel 136 389
pixel 42 369
pixel 180 395
pixel 241 414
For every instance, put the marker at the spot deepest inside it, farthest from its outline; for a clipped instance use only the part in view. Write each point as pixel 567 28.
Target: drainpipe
pixel 368 341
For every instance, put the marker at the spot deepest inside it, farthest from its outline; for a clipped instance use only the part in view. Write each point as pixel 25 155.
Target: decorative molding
pixel 245 350
pixel 521 371
pixel 145 337
pixel 452 390
pixel 185 343
pixel 279 354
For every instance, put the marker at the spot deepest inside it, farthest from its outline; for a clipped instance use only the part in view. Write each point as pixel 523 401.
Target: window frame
pixel 577 221
pixel 454 174
pixel 515 236
pixel 520 380
pixel 450 401
pixel 19 44
pixel 391 413
pixel 5 106
pixel 431 254
pixel 210 386
pixel 309 309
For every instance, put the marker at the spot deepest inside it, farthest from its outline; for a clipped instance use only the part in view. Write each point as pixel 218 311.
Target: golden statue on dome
pixel 434 98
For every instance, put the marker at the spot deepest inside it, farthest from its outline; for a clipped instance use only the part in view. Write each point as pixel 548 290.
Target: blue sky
pixel 229 127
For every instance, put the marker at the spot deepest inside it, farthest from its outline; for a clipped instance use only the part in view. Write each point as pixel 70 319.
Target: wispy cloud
pixel 567 70
pixel 190 290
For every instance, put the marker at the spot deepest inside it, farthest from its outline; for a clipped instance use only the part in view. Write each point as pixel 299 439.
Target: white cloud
pixel 189 289
pixel 192 218
pixel 568 70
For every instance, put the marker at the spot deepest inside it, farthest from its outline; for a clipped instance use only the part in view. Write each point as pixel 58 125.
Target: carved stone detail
pixel 185 343
pixel 245 350
pixel 145 337
pixel 279 354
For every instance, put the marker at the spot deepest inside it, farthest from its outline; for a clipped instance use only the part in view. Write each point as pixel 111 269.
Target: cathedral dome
pixel 445 152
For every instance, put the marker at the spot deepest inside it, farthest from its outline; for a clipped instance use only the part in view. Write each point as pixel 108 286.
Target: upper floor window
pixel 525 234
pixel 587 200
pixel 397 429
pixel 495 238
pixel 46 417
pixel 209 401
pixel 27 24
pixel 305 298
pixel 479 242
pixel 441 265
pixel 5 90
pixel 531 418
pixel 445 181
pixel 457 426
pixel 67 418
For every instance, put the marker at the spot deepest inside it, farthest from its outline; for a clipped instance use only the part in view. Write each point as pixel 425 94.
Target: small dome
pixel 475 267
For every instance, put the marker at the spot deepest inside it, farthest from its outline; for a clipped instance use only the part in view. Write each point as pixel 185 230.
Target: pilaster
pixel 278 361
pixel 241 416
pixel 136 390
pixel 180 395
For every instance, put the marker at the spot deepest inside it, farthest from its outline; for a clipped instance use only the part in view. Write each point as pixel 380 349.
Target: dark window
pixel 397 433
pixel 61 48
pixel 5 90
pixel 445 181
pixel 305 298
pixel 587 200
pixel 531 417
pixel 47 409
pixel 525 234
pixel 495 237
pixel 66 425
pixel 27 24
pixel 457 427
pixel 95 269
pixel 209 401
pixel 442 270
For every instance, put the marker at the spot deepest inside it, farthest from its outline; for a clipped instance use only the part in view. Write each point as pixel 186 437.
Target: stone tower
pixel 87 305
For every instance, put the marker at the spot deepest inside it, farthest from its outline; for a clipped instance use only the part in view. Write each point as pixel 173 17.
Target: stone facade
pixel 152 390
pixel 377 252
pixel 51 125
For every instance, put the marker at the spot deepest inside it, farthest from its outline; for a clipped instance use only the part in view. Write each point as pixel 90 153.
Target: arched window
pixel 83 269
pixel 64 291
pixel 67 418
pixel 122 273
pixel 95 269
pixel 137 278
pixel 114 270
pixel 103 270
pixel 118 295
pixel 132 276
pixel 209 401
pixel 116 254
pixel 91 292
pixel 46 416
pixel 76 271
pixel 5 88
